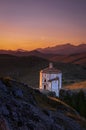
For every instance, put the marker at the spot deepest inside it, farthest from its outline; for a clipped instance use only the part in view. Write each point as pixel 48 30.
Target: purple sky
pixel 29 24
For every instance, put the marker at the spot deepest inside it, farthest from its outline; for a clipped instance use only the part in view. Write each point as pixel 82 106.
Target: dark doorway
pixel 45 80
pixel 44 86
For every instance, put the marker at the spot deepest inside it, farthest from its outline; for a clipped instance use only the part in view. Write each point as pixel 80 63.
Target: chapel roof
pixel 50 70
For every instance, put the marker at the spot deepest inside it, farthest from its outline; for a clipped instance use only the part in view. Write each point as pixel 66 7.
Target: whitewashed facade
pixel 51 79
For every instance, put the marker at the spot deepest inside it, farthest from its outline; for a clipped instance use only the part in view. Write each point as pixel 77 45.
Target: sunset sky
pixel 30 24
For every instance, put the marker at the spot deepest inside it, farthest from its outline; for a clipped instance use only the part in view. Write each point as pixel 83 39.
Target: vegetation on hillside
pixel 75 96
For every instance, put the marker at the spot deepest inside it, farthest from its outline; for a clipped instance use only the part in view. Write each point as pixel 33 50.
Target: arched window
pixel 44 80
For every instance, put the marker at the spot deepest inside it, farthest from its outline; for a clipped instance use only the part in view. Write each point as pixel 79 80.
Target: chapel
pixel 51 79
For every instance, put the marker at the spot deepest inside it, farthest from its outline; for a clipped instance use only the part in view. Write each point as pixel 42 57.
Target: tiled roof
pixel 50 70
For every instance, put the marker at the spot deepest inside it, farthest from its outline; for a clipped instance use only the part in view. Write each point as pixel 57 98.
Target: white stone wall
pixel 55 87
pixel 40 79
pixel 51 86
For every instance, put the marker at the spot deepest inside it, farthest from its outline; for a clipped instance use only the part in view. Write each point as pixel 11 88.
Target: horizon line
pixel 21 49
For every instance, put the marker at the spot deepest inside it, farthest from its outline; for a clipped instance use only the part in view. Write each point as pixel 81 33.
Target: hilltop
pixel 24 108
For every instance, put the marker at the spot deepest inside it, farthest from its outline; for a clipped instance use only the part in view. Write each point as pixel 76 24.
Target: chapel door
pixel 44 86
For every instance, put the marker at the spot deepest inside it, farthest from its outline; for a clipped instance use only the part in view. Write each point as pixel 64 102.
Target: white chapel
pixel 51 79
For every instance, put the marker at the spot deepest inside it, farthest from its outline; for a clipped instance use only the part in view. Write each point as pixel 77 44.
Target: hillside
pixel 75 96
pixel 26 69
pixel 21 53
pixel 79 59
pixel 77 86
pixel 24 108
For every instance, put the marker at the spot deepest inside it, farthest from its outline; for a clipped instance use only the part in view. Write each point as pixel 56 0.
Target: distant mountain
pixel 79 58
pixel 39 54
pixel 66 53
pixel 65 49
pixel 22 53
pixel 18 52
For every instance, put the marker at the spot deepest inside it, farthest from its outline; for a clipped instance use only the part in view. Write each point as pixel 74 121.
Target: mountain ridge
pixel 65 49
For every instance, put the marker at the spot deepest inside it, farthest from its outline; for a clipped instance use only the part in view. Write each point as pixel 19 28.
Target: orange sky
pixel 13 37
pixel 29 25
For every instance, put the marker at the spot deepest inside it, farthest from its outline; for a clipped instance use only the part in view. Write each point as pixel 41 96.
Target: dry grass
pixel 75 86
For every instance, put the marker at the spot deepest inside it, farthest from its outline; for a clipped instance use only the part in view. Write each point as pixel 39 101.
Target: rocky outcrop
pixel 23 108
pixel 4 124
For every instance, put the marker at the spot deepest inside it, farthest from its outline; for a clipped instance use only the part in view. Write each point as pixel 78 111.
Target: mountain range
pixel 66 53
pixel 66 49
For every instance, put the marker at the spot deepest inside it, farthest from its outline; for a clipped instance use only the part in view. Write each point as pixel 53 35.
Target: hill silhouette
pixel 65 49
pixel 66 53
pixel 22 107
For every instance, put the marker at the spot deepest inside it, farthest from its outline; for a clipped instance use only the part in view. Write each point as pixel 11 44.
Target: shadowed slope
pixel 22 109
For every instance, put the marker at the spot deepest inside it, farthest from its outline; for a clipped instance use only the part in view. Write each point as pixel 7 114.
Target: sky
pixel 31 24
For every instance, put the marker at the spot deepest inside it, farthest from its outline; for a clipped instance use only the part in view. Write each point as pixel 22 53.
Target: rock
pixel 57 127
pixel 15 116
pixel 23 128
pixel 2 86
pixel 4 110
pixel 4 124
pixel 18 93
pixel 40 126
